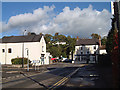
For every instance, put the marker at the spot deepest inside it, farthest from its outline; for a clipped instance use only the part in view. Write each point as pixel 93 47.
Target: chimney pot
pixel 100 41
pixel 77 38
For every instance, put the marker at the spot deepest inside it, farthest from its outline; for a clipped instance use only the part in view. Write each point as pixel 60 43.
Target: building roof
pixel 87 42
pixel 103 47
pixel 18 39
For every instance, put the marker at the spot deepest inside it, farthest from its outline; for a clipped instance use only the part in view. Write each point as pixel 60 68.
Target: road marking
pixel 63 80
pixel 58 82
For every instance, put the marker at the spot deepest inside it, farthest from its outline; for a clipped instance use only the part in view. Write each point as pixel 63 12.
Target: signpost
pixel 35 62
pixel 28 59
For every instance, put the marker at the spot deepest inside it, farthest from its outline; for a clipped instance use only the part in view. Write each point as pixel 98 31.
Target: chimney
pixel 77 38
pixel 100 41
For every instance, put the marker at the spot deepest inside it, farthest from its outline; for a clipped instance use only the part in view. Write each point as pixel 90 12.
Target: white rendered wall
pixel 34 48
pixel 85 49
pixel 103 51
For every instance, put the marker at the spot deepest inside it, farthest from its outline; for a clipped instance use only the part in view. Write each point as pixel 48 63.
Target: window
pixel 9 50
pixel 81 48
pixel 3 50
pixel 42 55
pixel 81 52
pixel 42 48
pixel 95 47
pixel 95 52
pixel 87 52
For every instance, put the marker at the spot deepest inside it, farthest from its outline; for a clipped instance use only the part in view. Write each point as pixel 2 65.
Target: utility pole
pixel 23 50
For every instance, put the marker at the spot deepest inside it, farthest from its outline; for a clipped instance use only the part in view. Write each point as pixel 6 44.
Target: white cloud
pixel 74 22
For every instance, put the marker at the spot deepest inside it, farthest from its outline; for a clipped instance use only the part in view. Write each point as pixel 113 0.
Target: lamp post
pixel 23 50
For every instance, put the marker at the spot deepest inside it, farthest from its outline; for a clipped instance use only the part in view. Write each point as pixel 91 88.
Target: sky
pixel 68 18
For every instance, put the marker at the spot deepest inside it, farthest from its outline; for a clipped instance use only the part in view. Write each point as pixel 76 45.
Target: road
pixel 90 76
pixel 51 79
pixel 64 77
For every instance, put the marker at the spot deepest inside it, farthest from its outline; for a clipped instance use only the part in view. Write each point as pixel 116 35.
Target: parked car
pixel 63 59
pixel 67 60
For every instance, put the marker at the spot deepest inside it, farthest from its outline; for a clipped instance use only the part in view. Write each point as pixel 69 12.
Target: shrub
pixel 19 60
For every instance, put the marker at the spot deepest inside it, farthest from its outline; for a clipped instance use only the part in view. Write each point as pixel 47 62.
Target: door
pixel 42 59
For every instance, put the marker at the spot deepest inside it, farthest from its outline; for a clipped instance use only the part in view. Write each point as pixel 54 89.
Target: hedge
pixel 19 60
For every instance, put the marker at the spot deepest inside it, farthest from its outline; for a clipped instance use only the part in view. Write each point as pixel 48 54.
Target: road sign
pixel 36 61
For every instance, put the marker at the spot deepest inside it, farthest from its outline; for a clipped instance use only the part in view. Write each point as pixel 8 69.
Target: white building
pixel 86 50
pixel 102 50
pixel 112 7
pixel 59 43
pixel 29 46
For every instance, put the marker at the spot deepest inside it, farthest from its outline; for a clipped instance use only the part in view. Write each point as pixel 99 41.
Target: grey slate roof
pixel 18 39
pixel 87 42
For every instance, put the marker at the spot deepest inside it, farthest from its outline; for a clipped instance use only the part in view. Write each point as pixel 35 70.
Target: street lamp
pixel 23 50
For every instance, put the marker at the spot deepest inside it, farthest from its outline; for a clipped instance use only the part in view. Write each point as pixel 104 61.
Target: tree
pixel 104 40
pixel 94 35
pixel 58 50
pixel 61 38
pixel 71 45
pixel 110 38
pixel 48 38
pixel 41 34
pixel 55 51
pixel 55 37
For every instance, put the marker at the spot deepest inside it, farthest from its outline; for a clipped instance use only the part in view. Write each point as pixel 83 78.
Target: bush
pixel 19 60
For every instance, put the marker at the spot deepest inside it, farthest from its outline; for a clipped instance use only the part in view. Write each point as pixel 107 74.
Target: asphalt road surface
pixel 64 77
pixel 47 80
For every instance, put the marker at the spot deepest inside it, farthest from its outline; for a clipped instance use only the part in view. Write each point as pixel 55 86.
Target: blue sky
pixel 10 9
pixel 14 8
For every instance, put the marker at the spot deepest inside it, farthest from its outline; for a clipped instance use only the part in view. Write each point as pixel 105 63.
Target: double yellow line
pixel 61 82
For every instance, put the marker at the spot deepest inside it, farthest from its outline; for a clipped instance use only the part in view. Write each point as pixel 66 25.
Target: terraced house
pixel 28 46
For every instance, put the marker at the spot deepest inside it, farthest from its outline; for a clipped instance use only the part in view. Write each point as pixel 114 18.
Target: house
pixel 102 50
pixel 86 50
pixel 28 46
pixel 59 43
